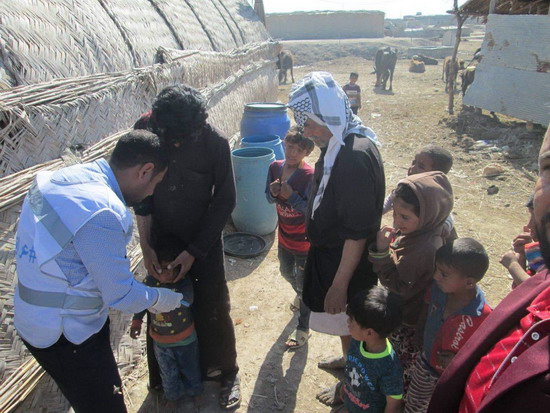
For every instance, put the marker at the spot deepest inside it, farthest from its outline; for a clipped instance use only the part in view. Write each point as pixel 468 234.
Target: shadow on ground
pixel 275 389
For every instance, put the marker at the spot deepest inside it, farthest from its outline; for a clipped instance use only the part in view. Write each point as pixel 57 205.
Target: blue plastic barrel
pixel 253 213
pixel 272 142
pixel 265 119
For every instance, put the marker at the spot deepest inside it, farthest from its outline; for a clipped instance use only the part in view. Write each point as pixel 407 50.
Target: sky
pixel 392 8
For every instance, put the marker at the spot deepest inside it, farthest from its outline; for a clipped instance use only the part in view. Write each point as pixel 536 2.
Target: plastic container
pixel 253 213
pixel 265 119
pixel 272 142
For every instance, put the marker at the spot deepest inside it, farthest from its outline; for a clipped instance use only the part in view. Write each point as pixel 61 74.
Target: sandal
pixel 297 339
pixel 295 305
pixel 230 393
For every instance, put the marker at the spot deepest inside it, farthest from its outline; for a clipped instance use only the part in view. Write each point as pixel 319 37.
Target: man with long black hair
pixel 193 203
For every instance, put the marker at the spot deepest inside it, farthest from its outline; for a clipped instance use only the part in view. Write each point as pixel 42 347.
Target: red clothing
pixel 452 333
pixel 524 384
pixel 290 212
pixel 532 327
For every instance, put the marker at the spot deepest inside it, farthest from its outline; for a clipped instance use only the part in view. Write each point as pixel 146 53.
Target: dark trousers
pixel 86 373
pixel 211 306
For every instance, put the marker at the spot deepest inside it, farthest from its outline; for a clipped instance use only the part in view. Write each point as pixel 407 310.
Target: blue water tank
pixel 265 119
pixel 272 142
pixel 253 213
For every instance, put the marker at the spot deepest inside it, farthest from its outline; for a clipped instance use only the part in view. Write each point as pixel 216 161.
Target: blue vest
pixel 57 205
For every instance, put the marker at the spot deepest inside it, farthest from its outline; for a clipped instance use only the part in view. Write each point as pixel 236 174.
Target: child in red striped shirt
pixel 288 183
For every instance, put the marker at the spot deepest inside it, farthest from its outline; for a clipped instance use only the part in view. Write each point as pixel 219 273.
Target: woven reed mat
pixel 38 122
pixel 47 39
pixel 254 82
pixel 43 40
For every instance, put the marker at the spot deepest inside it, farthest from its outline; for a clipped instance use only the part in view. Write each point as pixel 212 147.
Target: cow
pixel 285 61
pixel 416 66
pixel 448 65
pixel 467 77
pixel 384 66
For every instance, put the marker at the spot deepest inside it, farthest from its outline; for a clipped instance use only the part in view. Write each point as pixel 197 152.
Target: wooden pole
pixel 460 19
pixel 492 6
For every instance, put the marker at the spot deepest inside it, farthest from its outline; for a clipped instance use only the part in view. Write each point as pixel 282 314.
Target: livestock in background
pixel 416 65
pixel 285 62
pixel 467 78
pixel 384 66
pixel 428 61
pixel 449 65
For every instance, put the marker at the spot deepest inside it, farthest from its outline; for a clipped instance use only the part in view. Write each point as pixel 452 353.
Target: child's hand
pixel 518 244
pixel 384 238
pixel 286 190
pixel 510 258
pixel 444 359
pixel 275 188
pixel 135 332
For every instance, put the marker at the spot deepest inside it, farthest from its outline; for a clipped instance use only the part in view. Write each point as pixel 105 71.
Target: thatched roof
pixel 41 40
pixel 481 7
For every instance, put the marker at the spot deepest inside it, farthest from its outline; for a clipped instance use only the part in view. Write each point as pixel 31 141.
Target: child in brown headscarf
pixel 404 255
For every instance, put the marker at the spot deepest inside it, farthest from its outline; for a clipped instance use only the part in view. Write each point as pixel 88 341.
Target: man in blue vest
pixel 72 267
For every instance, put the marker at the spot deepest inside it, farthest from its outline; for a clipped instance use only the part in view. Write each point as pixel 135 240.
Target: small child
pixel 403 255
pixel 455 308
pixel 353 92
pixel 524 259
pixel 429 158
pixel 373 380
pixel 288 182
pixel 173 333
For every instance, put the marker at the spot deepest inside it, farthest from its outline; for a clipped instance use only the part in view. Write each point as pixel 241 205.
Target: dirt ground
pixel 414 114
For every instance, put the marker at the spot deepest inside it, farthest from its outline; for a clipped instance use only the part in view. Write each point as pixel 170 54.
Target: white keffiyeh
pixel 319 95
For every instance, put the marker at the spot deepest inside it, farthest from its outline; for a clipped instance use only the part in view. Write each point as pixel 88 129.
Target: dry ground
pixel 275 380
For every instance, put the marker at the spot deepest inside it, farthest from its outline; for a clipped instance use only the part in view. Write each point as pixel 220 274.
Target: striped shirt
pixel 291 212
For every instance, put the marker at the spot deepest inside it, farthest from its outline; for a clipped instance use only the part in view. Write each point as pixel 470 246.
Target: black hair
pixel 405 193
pixel 377 308
pixel 466 255
pixel 138 147
pixel 178 111
pixel 354 74
pixel 294 135
pixel 442 159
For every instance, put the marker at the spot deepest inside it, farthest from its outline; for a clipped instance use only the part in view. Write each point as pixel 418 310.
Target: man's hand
pixel 275 188
pixel 151 262
pixel 518 244
pixel 384 238
pixel 286 190
pixel 186 260
pixel 336 299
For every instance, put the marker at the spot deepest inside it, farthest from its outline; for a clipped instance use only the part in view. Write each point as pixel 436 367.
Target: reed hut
pixel 74 76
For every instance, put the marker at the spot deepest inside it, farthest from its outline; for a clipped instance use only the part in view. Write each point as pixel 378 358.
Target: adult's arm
pixel 336 298
pixel 150 260
pixel 359 186
pixel 101 245
pixel 222 204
